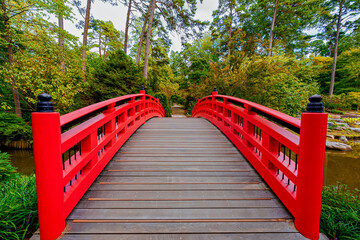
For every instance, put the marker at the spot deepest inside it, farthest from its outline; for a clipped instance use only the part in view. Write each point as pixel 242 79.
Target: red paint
pixel 49 144
pixel 48 170
pixel 237 119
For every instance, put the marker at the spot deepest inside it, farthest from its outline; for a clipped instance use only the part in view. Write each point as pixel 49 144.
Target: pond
pixel 343 167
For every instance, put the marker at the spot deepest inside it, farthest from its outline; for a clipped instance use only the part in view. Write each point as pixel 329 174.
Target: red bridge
pixel 236 170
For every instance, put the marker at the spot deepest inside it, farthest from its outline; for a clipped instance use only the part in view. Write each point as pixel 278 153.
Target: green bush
pixel 115 77
pixel 13 128
pixel 337 102
pixel 6 169
pixel 18 207
pixel 165 104
pixel 340 212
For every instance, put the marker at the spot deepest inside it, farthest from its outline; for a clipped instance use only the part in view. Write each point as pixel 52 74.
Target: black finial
pixel 45 104
pixel 315 105
pixel 157 96
pixel 215 89
pixel 142 87
pixel 199 98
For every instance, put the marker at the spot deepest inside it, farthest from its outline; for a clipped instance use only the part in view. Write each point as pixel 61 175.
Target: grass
pixel 6 169
pixel 340 213
pixel 18 204
pixel 18 207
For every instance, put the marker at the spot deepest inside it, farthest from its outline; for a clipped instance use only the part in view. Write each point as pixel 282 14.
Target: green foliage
pixel 18 207
pixel 13 128
pixel 164 101
pixel 115 77
pixel 6 169
pixel 278 82
pixel 335 112
pixel 339 102
pixel 354 99
pixel 340 212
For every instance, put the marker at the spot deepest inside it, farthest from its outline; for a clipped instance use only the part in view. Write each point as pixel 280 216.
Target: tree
pixel 127 27
pixel 148 39
pixel 223 21
pixel 341 15
pixel 6 14
pixel 281 22
pixel 86 28
pixel 115 77
pixel 105 37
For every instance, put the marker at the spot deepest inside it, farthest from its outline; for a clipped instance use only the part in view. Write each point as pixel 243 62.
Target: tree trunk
pixel 100 43
pixel 230 30
pixel 86 28
pixel 142 35
pixel 11 61
pixel 272 29
pixel 127 27
pixel 148 40
pixel 332 83
pixel 61 42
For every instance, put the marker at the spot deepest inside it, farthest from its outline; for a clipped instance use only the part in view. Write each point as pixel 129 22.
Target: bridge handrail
pixel 71 151
pixel 292 165
pixel 281 118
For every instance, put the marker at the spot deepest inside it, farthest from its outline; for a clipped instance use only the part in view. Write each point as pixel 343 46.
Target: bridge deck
pixel 179 179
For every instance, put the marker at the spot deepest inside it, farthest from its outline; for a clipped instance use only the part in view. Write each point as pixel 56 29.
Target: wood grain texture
pixel 179 178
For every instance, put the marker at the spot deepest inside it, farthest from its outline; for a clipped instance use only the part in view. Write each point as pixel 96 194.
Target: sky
pixel 117 14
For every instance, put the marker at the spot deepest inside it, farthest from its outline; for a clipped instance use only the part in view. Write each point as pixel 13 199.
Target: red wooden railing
pixel 291 165
pixel 71 150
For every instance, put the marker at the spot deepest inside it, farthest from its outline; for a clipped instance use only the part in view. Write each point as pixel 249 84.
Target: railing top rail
pixel 279 117
pixel 72 118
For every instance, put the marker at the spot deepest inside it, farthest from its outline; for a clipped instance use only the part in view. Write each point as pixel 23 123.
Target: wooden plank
pixel 179 179
pixel 179 150
pixel 179 214
pixel 180 168
pixel 106 186
pixel 178 174
pixel 237 158
pixel 197 227
pixel 89 204
pixel 220 236
pixel 118 164
pixel 174 194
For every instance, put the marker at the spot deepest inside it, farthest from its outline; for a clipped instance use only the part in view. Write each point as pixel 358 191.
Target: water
pixel 343 167
pixel 23 160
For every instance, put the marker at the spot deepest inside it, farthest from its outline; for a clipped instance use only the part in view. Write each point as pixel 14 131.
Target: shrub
pixel 115 77
pixel 336 102
pixel 18 207
pixel 340 212
pixel 13 128
pixel 6 169
pixel 165 104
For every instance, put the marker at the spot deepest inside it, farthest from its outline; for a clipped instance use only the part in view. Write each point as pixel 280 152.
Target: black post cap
pixel 142 87
pixel 199 98
pixel 215 89
pixel 45 104
pixel 157 96
pixel 315 105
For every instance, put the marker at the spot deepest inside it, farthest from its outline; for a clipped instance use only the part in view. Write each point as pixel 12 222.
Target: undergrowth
pixel 18 204
pixel 340 213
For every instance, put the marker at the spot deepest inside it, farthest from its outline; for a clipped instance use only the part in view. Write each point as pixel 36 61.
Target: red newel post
pixel 311 168
pixel 48 168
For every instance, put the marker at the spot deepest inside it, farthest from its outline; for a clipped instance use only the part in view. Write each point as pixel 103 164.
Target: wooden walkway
pixel 179 178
